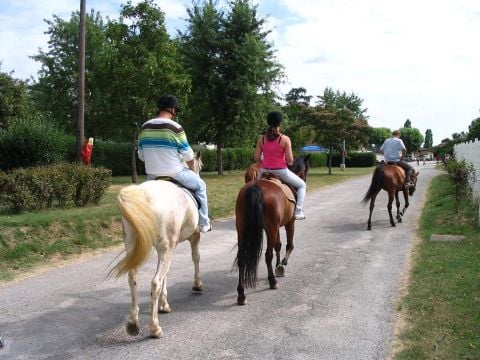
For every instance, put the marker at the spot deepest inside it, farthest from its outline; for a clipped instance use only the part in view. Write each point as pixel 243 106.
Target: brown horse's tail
pixel 132 202
pixel 376 185
pixel 250 244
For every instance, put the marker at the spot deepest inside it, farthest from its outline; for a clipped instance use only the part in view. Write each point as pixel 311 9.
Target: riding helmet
pixel 167 101
pixel 274 118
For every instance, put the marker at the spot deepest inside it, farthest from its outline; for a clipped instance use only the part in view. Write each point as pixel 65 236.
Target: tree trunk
pixel 219 160
pixel 330 153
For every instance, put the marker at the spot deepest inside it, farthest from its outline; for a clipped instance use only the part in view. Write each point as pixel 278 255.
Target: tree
pixel 408 124
pixel 412 138
pixel 55 93
pixel 298 96
pixel 377 136
pixel 241 69
pixel 337 117
pixel 14 98
pixel 428 139
pixel 474 130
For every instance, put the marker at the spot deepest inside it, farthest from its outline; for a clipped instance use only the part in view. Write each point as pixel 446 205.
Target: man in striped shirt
pixel 163 146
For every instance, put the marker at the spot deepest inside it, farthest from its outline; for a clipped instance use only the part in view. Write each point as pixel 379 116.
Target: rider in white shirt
pixel 394 150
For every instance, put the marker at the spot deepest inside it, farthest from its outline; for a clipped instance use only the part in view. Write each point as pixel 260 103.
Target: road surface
pixel 337 300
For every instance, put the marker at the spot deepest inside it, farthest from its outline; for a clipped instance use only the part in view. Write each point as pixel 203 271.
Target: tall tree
pixel 243 72
pixel 376 136
pixel 428 144
pixel 14 98
pixel 337 117
pixel 145 65
pixel 474 129
pixel 412 138
pixel 298 96
pixel 408 124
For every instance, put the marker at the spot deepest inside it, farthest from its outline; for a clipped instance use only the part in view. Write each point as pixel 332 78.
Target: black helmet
pixel 274 118
pixel 168 101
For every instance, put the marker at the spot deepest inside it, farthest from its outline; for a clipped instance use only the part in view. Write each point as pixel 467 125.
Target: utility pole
pixel 81 82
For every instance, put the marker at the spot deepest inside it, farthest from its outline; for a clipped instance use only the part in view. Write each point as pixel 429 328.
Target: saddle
pixel 187 191
pixel 289 191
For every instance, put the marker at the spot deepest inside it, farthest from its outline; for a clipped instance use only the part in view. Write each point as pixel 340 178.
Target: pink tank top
pixel 273 154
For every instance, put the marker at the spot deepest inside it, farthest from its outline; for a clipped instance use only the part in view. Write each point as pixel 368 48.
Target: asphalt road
pixel 337 300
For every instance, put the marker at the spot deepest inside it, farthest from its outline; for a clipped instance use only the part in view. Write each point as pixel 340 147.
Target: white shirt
pixel 392 149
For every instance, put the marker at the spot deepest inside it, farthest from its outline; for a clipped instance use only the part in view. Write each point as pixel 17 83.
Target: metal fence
pixel 470 151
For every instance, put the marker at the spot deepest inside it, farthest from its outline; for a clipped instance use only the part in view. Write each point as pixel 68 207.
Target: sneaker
pixel 205 228
pixel 299 215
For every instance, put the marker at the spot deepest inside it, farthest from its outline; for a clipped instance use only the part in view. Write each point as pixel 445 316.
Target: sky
pixel 410 59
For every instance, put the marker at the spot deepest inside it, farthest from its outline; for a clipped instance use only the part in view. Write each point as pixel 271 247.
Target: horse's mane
pixel 298 165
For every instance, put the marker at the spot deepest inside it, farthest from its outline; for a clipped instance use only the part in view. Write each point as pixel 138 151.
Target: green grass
pixel 442 305
pixel 35 238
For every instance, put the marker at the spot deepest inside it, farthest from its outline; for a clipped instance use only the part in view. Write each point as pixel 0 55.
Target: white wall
pixel 470 152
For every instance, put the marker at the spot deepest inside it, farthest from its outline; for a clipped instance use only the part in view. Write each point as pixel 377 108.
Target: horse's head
pixel 412 187
pixel 197 167
pixel 300 166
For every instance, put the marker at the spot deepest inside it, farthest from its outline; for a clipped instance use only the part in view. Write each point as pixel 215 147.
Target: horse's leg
pixel 391 195
pixel 279 270
pixel 290 230
pixel 405 196
pixel 397 202
pixel 372 205
pixel 241 299
pixel 133 327
pixel 271 239
pixel 158 282
pixel 163 305
pixel 194 241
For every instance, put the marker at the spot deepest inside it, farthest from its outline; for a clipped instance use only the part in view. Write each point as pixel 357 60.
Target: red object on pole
pixel 86 152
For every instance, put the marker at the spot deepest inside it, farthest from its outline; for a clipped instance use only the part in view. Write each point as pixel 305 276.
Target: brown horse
pixel 390 178
pixel 261 205
pixel 300 166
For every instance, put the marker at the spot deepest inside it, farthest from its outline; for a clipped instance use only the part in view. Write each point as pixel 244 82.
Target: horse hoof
pixel 280 271
pixel 274 286
pixel 164 309
pixel 399 219
pixel 393 225
pixel 241 300
pixel 132 328
pixel 197 288
pixel 157 333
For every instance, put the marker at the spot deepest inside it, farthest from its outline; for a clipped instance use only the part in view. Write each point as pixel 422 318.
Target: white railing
pixel 470 151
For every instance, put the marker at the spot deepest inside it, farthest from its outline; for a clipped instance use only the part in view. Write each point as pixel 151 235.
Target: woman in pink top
pixel 277 155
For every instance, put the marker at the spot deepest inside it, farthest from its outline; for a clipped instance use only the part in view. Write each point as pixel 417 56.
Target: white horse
pixel 156 214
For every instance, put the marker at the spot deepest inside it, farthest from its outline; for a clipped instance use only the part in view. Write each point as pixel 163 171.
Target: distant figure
pixel 87 150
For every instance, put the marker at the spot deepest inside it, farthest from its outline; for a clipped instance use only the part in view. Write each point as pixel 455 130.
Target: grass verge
pixel 441 309
pixel 40 238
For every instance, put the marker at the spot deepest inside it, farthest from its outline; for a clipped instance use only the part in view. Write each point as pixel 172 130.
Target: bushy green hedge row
pixel 355 159
pixel 61 184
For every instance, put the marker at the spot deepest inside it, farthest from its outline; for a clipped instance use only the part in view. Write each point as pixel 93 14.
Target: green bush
pixel 54 185
pixel 33 141
pixel 355 159
pixel 233 159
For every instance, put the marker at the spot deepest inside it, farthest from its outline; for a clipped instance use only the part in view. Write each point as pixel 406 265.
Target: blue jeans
pixel 290 178
pixel 192 181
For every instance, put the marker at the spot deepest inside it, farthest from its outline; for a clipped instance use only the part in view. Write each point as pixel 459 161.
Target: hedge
pixel 62 185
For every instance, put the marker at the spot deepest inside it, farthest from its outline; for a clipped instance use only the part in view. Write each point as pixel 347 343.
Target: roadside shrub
pixel 233 159
pixel 462 174
pixel 355 159
pixel 32 141
pixel 317 159
pixel 55 185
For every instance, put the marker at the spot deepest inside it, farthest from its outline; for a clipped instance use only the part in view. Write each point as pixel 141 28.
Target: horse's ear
pixel 307 157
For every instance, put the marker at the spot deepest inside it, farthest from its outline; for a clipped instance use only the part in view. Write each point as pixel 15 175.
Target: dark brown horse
pixel 261 205
pixel 390 178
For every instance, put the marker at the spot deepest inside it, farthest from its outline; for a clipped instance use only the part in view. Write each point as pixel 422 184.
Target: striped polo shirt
pixel 163 145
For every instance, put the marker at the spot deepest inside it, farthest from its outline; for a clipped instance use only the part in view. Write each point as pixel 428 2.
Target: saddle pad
pixel 285 188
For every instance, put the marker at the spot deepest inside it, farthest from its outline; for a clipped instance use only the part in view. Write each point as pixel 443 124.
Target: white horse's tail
pixel 132 201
